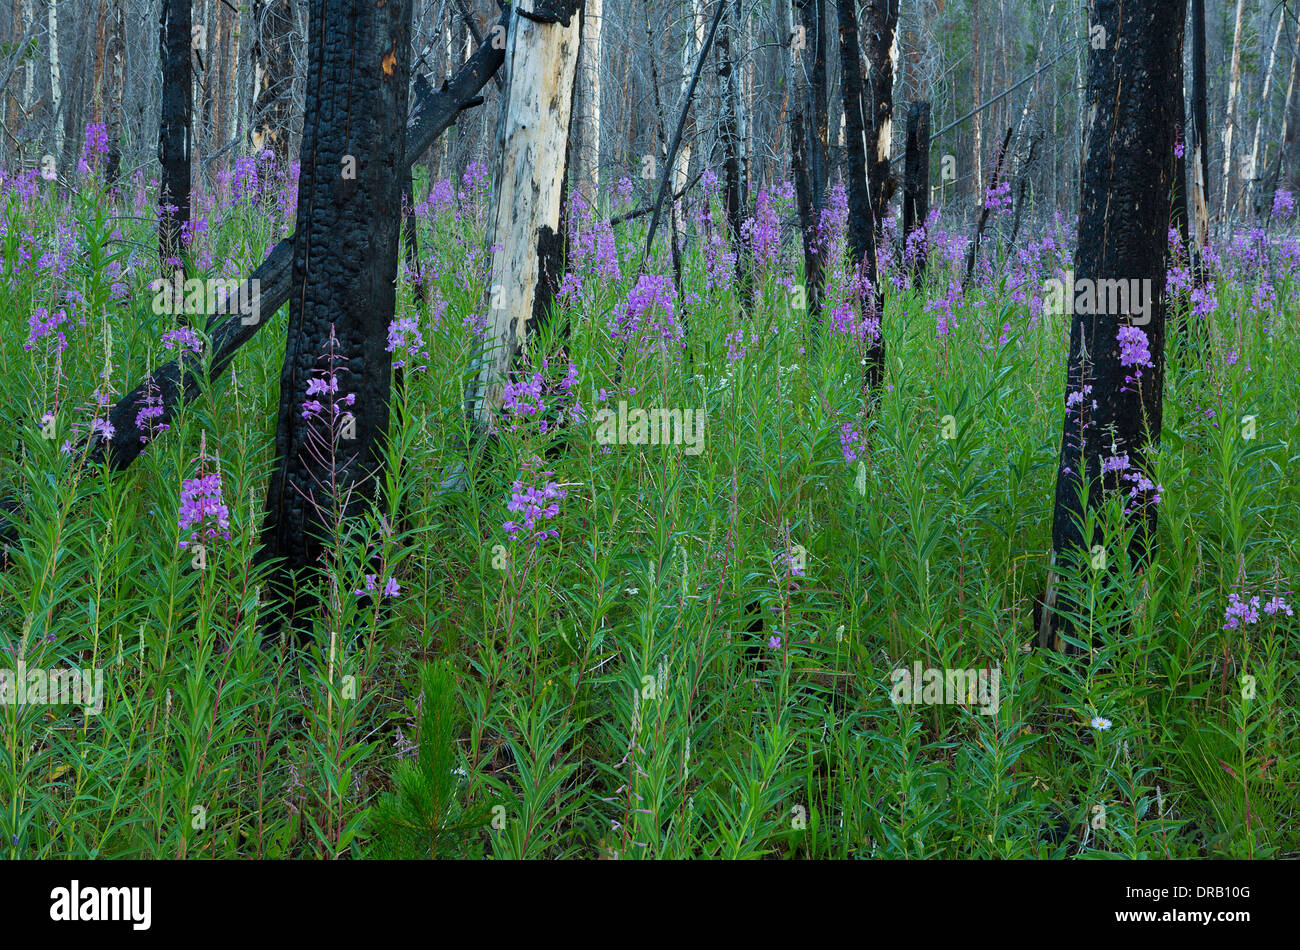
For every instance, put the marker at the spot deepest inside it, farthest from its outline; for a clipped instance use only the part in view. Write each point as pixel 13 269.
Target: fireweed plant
pixel 594 649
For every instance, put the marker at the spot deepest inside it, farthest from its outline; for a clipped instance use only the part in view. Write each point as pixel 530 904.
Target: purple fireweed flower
pixel 182 337
pixel 1134 348
pixel 534 504
pixel 850 442
pixel 1283 204
pixel 1240 611
pixel 42 324
pixel 203 513
pixel 390 587
pixel 1278 605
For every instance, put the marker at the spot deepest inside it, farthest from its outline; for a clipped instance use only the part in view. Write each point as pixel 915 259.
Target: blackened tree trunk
pixel 869 114
pixel 1113 410
pixel 174 40
pixel 728 77
pixel 527 203
pixel 809 150
pixel 916 183
pixel 861 235
pixel 272 77
pixel 344 267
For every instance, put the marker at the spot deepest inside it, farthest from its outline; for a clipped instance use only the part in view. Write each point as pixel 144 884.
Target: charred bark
pixel 1112 413
pixel 809 152
pixel 174 130
pixel 916 184
pixel 345 252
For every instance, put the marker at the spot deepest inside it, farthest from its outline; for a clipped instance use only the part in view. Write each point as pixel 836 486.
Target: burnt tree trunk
pixel 1123 234
pixel 728 77
pixel 861 234
pixel 174 126
pixel 809 151
pixel 916 183
pixel 344 266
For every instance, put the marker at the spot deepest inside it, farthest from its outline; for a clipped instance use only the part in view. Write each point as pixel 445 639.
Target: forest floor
pixel 683 650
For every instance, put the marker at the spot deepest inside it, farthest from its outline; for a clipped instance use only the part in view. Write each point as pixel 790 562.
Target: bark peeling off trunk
pixel 532 153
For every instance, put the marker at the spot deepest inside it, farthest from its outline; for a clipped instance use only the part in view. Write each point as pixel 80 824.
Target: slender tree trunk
pixel 174 131
pixel 589 161
pixel 56 79
pixel 861 234
pixel 878 119
pixel 916 183
pixel 730 134
pixel 808 150
pixel 349 197
pixel 1234 85
pixel 273 77
pixel 526 217
pixel 977 126
pixel 97 74
pixel 1200 148
pixel 1113 420
pixel 1252 181
pixel 116 54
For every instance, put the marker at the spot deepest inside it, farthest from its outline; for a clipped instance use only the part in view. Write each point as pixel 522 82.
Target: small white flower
pixel 631 590
pixel 1100 723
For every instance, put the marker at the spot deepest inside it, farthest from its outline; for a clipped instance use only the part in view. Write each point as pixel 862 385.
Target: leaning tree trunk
pixel 174 130
pixel 525 221
pixel 344 268
pixel 1112 417
pixel 273 77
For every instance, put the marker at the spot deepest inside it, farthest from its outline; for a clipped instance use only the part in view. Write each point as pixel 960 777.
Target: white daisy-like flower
pixel 1100 723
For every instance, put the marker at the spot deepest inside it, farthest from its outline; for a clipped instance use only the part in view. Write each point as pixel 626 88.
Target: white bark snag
pixel 589 160
pixel 524 222
pixel 56 83
pixel 1234 84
